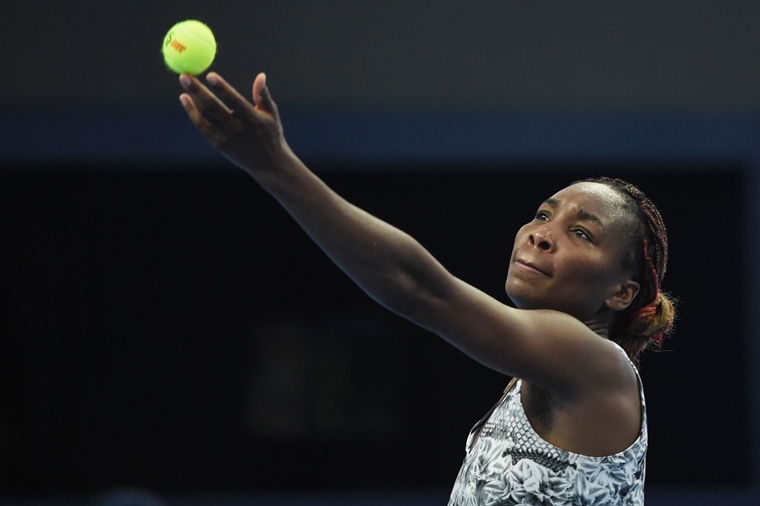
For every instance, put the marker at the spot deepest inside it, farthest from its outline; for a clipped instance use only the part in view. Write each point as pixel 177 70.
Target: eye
pixel 542 216
pixel 581 233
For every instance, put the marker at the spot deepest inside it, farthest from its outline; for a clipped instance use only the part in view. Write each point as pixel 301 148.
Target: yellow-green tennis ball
pixel 189 46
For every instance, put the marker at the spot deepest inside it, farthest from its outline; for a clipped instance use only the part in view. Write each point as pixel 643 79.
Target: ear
pixel 623 295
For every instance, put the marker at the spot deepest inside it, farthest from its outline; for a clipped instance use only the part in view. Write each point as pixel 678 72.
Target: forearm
pixel 388 264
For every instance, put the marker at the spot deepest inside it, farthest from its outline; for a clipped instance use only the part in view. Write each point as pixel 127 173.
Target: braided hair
pixel 649 318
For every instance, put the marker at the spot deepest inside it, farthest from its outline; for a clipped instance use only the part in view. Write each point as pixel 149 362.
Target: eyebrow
pixel 582 214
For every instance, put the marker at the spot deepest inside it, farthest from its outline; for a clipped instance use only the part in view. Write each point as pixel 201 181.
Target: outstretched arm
pixel 385 262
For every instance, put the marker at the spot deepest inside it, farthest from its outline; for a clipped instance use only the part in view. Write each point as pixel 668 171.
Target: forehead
pixel 598 199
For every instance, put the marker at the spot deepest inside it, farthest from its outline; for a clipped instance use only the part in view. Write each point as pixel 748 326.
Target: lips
pixel 530 266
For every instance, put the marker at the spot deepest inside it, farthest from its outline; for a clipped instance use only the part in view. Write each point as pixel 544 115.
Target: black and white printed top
pixel 511 464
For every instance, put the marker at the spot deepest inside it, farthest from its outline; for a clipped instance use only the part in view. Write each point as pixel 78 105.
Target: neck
pixel 600 324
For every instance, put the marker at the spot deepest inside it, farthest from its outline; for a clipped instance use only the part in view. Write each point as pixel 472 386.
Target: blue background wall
pixel 149 287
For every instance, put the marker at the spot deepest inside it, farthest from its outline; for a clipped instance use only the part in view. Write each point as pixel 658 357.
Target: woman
pixel 584 276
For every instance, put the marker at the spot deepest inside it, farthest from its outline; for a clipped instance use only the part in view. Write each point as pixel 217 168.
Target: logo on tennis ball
pixel 189 46
pixel 174 43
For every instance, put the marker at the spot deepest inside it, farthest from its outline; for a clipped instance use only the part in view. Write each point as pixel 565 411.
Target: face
pixel 568 258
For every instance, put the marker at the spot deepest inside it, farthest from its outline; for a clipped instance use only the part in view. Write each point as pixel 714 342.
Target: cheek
pixel 585 269
pixel 597 274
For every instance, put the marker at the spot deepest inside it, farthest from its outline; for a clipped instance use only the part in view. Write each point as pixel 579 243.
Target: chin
pixel 520 297
pixel 522 301
pixel 526 304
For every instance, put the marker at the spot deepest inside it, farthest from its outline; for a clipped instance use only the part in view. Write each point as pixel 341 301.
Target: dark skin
pixel 565 277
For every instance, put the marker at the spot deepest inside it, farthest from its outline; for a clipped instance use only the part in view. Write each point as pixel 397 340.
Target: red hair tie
pixel 650 309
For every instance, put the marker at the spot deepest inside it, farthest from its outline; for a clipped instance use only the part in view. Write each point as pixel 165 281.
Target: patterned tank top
pixel 511 464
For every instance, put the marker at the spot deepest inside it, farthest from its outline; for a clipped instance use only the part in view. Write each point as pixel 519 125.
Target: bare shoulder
pixel 569 358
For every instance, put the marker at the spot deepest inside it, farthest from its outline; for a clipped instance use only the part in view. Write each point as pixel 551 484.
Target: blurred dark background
pixel 167 328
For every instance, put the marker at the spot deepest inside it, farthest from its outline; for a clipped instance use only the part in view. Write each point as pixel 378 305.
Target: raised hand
pixel 249 134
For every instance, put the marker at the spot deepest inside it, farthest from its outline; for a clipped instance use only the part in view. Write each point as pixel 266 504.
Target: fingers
pixel 209 114
pixel 223 100
pixel 222 114
pixel 228 95
pixel 201 123
pixel 198 90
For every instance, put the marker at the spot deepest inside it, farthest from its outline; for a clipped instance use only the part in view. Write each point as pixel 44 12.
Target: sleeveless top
pixel 511 464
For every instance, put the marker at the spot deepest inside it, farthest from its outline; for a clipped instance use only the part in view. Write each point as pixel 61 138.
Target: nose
pixel 542 238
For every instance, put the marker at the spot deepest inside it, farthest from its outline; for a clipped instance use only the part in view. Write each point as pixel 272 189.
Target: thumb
pixel 261 96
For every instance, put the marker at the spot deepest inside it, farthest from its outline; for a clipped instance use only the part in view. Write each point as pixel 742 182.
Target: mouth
pixel 530 267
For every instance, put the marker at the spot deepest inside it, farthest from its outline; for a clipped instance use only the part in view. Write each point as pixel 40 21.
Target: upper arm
pixel 544 347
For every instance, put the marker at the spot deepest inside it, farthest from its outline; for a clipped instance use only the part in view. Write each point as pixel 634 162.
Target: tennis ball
pixel 189 46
